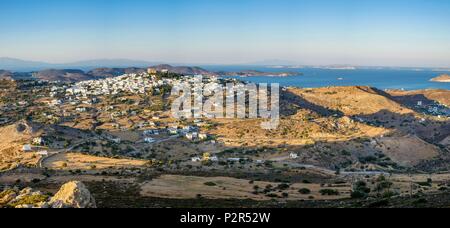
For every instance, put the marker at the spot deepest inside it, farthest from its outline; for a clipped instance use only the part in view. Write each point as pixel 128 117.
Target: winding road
pixel 44 158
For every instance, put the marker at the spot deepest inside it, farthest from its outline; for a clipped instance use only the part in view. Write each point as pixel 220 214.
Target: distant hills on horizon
pixel 11 68
pixel 19 65
pixel 75 75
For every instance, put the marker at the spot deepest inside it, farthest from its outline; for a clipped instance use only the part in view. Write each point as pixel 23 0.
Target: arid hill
pixel 352 100
pixel 12 138
pixel 323 124
pixel 424 96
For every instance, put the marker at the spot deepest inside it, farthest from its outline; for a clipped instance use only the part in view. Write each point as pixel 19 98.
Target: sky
pixel 308 32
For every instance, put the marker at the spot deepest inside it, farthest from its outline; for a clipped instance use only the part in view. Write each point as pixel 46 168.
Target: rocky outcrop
pixel 26 198
pixel 73 195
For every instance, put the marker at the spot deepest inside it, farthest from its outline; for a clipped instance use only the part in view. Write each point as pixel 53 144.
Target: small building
pixel 192 136
pixel 173 131
pixel 80 109
pixel 116 140
pixel 152 71
pixel 188 128
pixel 149 140
pixel 42 153
pixel 202 136
pixel 26 148
pixel 293 156
pixel 151 132
pixel 56 102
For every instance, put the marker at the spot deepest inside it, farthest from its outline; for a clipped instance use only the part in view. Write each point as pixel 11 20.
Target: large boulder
pixel 73 195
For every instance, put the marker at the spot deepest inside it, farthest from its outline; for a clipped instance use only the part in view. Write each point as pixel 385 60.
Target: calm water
pixel 380 78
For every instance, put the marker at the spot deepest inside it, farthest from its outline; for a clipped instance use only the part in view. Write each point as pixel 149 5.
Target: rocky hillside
pixel 71 195
pixel 12 138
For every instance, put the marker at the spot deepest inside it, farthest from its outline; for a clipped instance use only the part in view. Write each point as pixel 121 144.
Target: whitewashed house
pixel 151 132
pixel 26 148
pixel 192 135
pixel 42 153
pixel 173 131
pixel 202 136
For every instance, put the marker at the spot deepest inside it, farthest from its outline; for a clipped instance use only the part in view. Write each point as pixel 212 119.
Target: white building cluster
pixel 128 83
pixel 131 83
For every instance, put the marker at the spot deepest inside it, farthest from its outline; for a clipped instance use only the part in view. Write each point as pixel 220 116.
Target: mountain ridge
pixel 14 64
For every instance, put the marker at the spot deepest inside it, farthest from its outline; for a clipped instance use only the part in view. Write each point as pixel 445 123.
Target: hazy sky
pixel 357 32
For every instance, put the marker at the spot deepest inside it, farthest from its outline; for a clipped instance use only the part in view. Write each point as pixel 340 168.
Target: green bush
pixel 283 186
pixel 211 184
pixel 384 185
pixel 304 191
pixel 272 195
pixel 329 192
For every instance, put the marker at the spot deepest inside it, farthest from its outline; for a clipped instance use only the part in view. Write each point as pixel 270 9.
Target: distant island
pixel 442 78
pixel 331 67
pixel 255 73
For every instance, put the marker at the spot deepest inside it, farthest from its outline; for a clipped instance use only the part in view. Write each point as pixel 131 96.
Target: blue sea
pixel 402 78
